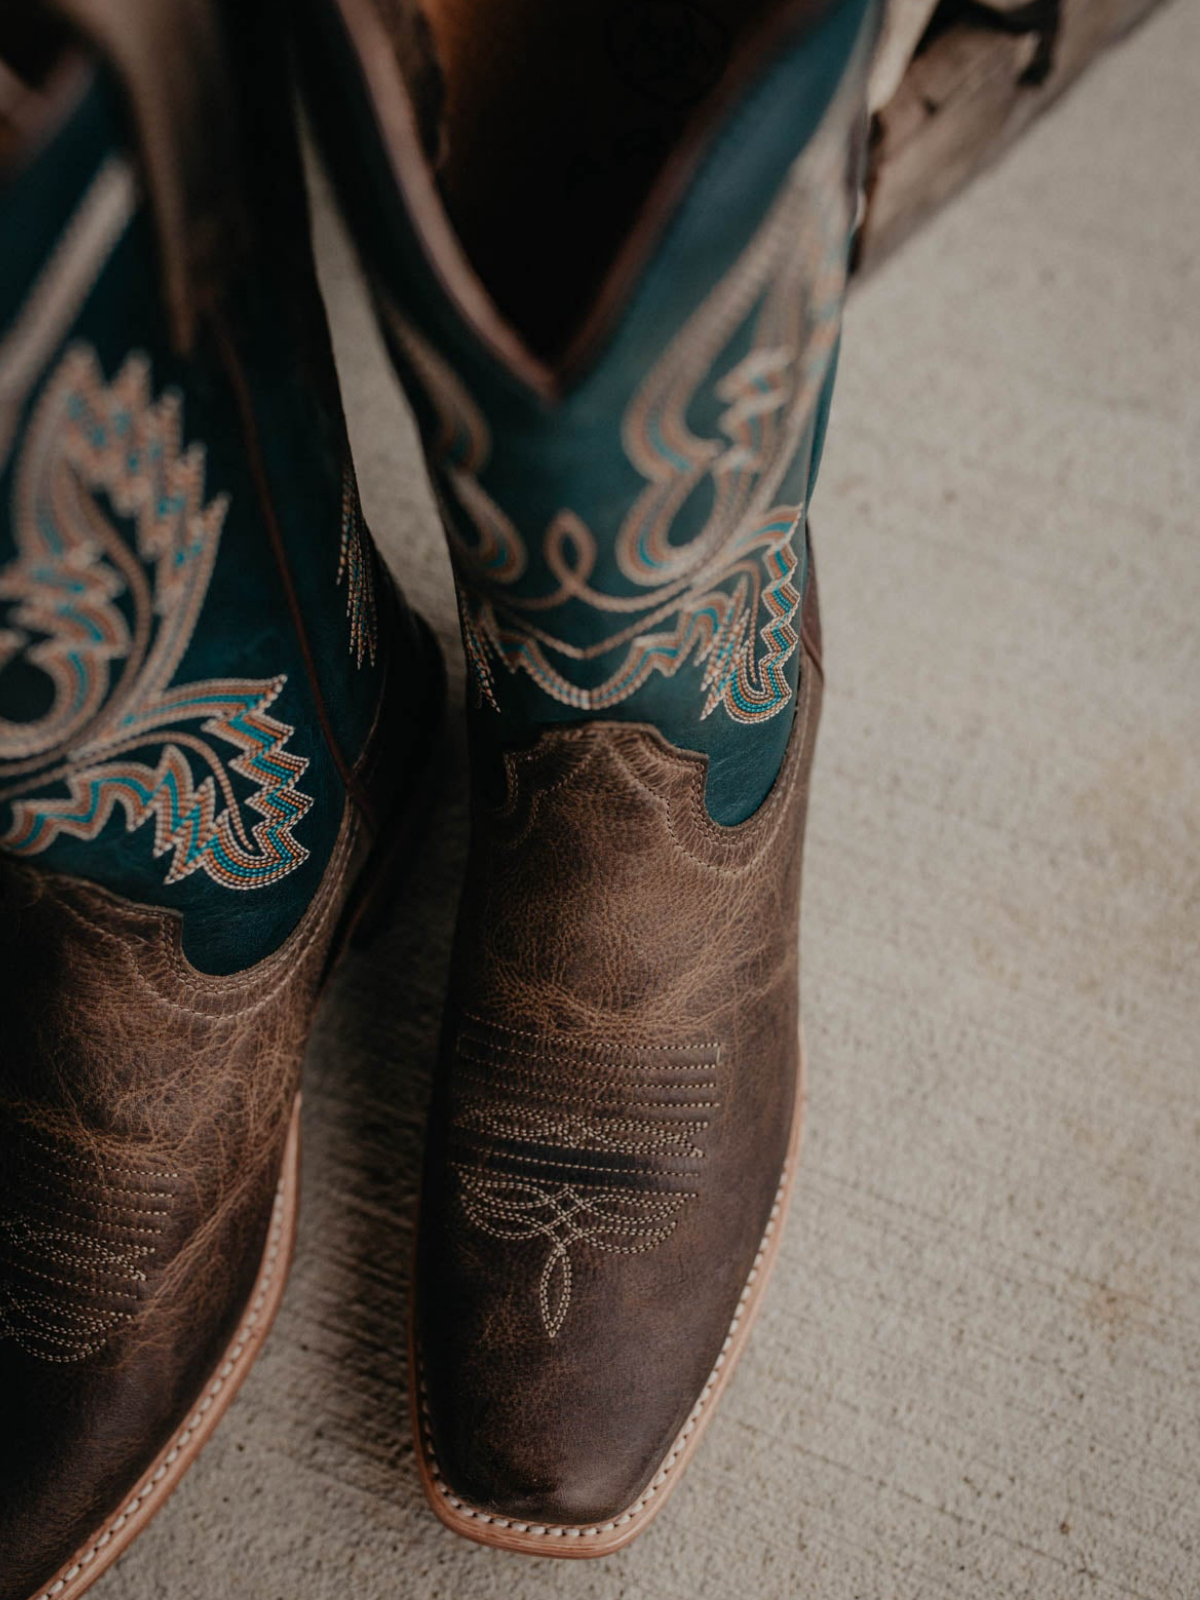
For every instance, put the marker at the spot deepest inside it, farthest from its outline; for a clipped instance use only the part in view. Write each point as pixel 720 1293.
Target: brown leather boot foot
pixel 610 274
pixel 614 1132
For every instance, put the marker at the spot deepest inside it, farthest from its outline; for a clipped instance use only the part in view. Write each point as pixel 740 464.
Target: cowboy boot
pixel 608 246
pixel 213 704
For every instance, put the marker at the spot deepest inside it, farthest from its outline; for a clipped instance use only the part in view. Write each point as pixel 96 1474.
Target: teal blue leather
pixel 508 462
pixel 154 784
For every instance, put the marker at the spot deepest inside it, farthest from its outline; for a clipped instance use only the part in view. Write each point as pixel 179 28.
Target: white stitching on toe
pixel 153 1484
pixel 640 1112
pixel 592 1530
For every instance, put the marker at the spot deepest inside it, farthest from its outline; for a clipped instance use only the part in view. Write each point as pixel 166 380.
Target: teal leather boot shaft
pixel 629 529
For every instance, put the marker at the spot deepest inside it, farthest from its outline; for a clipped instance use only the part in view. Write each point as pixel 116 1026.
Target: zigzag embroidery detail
pixel 109 635
pixel 724 597
pixel 189 822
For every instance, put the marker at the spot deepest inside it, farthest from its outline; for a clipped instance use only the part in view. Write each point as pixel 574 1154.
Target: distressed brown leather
pixel 144 1109
pixel 143 1112
pixel 619 1072
pixel 145 1105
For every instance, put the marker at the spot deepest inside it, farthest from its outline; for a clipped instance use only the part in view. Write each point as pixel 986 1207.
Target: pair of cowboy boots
pixel 608 247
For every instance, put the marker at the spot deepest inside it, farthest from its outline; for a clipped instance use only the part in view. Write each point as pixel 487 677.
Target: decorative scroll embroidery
pixel 107 625
pixel 580 1146
pixel 75 1254
pixel 356 569
pixel 725 598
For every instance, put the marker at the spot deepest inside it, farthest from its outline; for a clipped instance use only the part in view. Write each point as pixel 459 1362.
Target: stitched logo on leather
pixel 104 623
pixel 585 1146
pixel 78 1236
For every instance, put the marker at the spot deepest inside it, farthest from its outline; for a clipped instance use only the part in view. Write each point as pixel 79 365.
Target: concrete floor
pixel 978 1370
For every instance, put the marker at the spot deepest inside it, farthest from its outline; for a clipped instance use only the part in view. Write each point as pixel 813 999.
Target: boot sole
pixel 579 1541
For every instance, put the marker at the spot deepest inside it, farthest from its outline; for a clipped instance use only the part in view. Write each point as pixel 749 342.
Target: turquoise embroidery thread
pixel 88 442
pixel 725 598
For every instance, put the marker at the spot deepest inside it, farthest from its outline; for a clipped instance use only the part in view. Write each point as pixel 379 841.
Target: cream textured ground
pixel 977 1374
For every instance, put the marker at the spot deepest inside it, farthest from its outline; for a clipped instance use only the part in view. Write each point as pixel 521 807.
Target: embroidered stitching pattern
pixel 725 598
pixel 565 1216
pixel 283 962
pixel 108 638
pixel 356 571
pixel 76 1244
pixel 161 1478
pixel 748 839
pixel 766 821
pixel 524 1119
pixel 663 1478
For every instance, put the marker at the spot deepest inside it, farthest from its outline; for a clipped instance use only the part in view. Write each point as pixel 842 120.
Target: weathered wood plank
pixel 975 81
